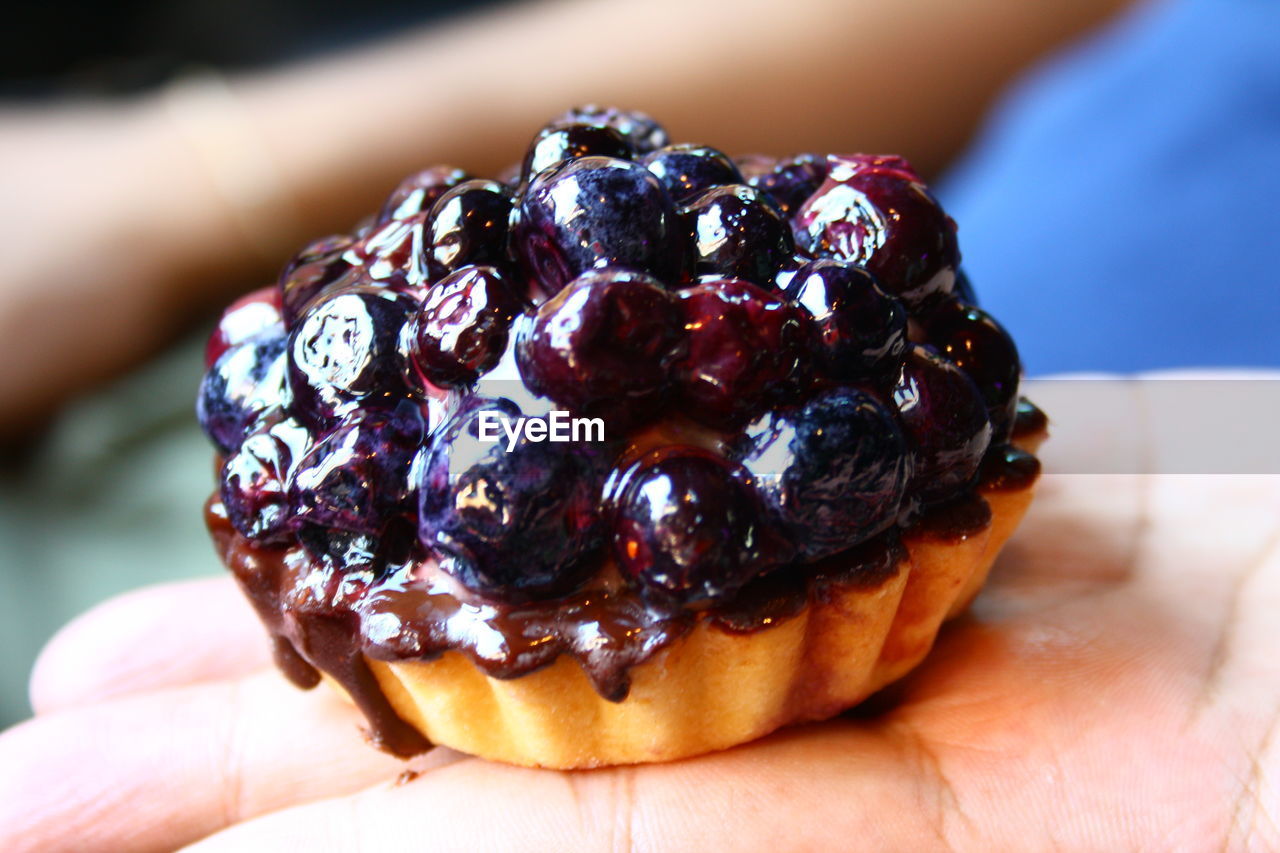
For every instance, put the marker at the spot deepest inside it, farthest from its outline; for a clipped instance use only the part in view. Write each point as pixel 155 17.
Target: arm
pixel 122 225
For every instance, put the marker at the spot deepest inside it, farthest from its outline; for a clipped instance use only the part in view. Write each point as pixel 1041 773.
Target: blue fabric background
pixel 1122 209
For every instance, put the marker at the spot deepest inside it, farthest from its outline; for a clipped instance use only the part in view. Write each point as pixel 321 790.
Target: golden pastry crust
pixel 712 689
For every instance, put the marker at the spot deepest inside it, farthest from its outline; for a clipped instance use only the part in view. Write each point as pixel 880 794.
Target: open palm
pixel 1116 686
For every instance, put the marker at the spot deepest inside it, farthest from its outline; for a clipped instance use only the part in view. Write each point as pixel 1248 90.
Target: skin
pixel 125 222
pixel 1115 687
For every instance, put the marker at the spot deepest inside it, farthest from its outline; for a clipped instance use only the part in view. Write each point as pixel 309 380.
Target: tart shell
pixel 712 689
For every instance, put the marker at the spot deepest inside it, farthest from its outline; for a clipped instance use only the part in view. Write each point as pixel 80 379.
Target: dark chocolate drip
pixel 783 594
pixel 1028 420
pixel 318 644
pixel 1008 469
pixel 607 633
pixel 257 571
pixel 765 601
pixel 293 665
pixel 956 519
pixel 327 640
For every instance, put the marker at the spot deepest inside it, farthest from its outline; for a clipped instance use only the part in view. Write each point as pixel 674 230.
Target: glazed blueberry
pixel 685 527
pixel 395 254
pixel 509 525
pixel 792 180
pixel 862 332
pixel 889 224
pixel 418 192
pixel 344 354
pixel 597 212
pixel 743 346
pixel 245 384
pixel 249 316
pixel 254 478
pixel 461 329
pixel 643 133
pixel 468 225
pixel 787 272
pixel 944 418
pixel 504 380
pixel 356 478
pixel 350 553
pixel 738 233
pixel 569 141
pixel 603 345
pixel 690 170
pixel 972 340
pixel 319 266
pixel 833 473
pixel 842 167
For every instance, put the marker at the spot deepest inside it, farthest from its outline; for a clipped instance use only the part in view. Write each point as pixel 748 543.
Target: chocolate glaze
pixel 781 595
pixel 326 620
pixel 1008 469
pixel 305 647
pixel 954 520
pixel 1028 420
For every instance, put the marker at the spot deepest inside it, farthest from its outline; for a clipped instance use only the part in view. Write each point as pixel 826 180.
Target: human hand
pixel 1115 687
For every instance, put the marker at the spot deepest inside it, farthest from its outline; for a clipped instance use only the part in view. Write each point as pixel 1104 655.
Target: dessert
pixel 641 453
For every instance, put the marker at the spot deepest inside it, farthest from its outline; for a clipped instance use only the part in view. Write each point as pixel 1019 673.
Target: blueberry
pixel 248 317
pixel 395 254
pixel 862 332
pixel 344 354
pixel 744 345
pixel 945 421
pixel 356 478
pixel 971 339
pixel 509 525
pixel 643 133
pixel 468 225
pixel 737 232
pixel 418 192
pixel 347 551
pixel 603 346
pixel 461 329
pixel 787 271
pixel 557 143
pixel 685 527
pixel 789 182
pixel 245 384
pixel 689 170
pixel 253 481
pixel 504 380
pixel 833 473
pixel 842 167
pixel 597 212
pixel 319 266
pixel 889 224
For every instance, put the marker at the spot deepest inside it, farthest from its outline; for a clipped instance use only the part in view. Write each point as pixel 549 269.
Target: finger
pixel 797 790
pixel 159 636
pixel 159 770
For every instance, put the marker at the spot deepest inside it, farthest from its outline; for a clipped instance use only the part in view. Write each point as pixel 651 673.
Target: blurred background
pixel 1114 168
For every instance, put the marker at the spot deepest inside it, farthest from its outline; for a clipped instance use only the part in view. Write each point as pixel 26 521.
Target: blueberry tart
pixel 639 453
